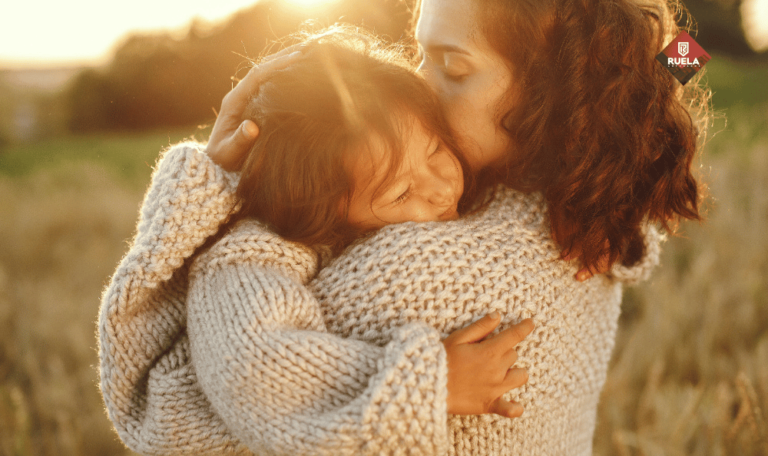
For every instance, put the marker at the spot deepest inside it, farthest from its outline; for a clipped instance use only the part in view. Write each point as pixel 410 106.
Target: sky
pixel 37 33
pixel 47 33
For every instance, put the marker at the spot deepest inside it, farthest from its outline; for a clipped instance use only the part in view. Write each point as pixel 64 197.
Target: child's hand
pixel 232 137
pixel 479 373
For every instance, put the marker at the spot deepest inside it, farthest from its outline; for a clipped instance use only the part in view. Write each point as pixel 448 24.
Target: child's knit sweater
pixel 250 350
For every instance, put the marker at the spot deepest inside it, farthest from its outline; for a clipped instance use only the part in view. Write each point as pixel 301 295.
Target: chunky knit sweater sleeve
pixel 327 395
pixel 282 383
pixel 149 387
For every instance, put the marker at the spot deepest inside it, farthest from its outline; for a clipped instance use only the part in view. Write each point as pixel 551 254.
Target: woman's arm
pixel 641 271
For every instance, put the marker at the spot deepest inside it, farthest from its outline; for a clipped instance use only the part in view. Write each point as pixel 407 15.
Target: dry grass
pixel 690 372
pixel 64 231
pixel 689 376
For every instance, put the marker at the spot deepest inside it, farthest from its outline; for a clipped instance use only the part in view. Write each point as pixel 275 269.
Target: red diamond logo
pixel 683 57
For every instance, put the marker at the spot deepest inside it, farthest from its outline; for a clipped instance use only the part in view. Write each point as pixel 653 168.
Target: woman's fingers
pixel 231 137
pixel 284 52
pixel 510 358
pixel 233 149
pixel 508 409
pixel 256 75
pixel 476 331
pixel 228 148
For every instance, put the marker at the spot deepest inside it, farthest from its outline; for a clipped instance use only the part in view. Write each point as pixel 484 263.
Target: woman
pixel 611 161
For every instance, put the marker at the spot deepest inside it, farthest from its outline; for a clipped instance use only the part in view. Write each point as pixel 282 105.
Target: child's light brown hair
pixel 346 90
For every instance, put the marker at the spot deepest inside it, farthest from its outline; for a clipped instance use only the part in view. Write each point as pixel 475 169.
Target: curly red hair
pixel 598 125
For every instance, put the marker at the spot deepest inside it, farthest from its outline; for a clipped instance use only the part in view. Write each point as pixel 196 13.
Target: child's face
pixel 426 187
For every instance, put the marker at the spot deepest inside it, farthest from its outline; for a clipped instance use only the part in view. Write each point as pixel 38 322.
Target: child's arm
pixel 283 385
pixel 143 348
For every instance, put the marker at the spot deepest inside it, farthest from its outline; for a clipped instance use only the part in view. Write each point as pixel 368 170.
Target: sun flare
pixel 309 3
pixel 85 31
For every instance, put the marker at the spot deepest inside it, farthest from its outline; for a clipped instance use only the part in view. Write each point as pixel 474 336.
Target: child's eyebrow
pixel 433 145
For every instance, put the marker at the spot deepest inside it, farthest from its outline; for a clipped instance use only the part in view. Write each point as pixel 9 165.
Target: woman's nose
pixel 427 72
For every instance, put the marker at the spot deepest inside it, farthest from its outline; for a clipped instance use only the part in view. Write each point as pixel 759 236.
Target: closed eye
pixel 402 198
pixel 455 66
pixel 439 147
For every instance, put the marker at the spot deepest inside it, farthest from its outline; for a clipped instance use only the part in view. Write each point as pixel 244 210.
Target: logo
pixel 683 57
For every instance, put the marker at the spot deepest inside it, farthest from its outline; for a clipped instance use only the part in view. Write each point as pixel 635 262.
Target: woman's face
pixel 426 186
pixel 471 79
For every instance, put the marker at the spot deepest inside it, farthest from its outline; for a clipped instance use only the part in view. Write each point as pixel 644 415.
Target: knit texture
pixel 236 356
pixel 449 274
pixel 282 383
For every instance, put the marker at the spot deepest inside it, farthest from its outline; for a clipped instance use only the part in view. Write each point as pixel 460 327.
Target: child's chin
pixel 450 215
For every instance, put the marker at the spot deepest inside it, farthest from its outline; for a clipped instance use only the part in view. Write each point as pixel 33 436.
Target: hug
pixel 377 253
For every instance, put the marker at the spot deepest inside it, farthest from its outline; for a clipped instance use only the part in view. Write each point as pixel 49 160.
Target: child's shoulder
pixel 251 243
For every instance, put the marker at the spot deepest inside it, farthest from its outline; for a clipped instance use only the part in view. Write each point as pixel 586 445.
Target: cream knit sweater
pixel 250 350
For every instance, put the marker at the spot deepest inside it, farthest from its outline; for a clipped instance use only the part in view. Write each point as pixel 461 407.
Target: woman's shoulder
pixel 513 223
pixel 525 208
pixel 250 242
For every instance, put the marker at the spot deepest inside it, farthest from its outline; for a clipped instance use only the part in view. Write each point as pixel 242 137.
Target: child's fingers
pixel 515 378
pixel 475 331
pixel 603 265
pixel 509 358
pixel 508 409
pixel 510 337
pixel 584 274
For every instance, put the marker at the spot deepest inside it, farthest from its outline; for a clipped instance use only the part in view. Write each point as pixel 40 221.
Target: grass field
pixel 689 374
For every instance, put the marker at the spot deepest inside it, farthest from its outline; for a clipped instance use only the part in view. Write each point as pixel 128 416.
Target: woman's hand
pixel 479 373
pixel 232 137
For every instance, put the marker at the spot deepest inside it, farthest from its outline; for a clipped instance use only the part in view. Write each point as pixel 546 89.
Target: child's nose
pixel 441 191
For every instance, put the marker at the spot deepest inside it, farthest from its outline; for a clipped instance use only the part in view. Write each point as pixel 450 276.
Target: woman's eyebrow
pixel 443 48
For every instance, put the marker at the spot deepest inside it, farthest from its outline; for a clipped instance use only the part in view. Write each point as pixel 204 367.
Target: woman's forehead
pixel 446 22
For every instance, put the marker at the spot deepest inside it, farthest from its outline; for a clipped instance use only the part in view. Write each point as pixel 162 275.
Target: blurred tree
pixel 719 26
pixel 159 81
pixel 156 80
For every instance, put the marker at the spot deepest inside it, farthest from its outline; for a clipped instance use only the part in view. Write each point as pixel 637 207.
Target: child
pixel 351 140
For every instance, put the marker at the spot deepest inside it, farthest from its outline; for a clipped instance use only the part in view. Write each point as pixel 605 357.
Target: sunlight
pixel 85 31
pixel 755 22
pixel 309 3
